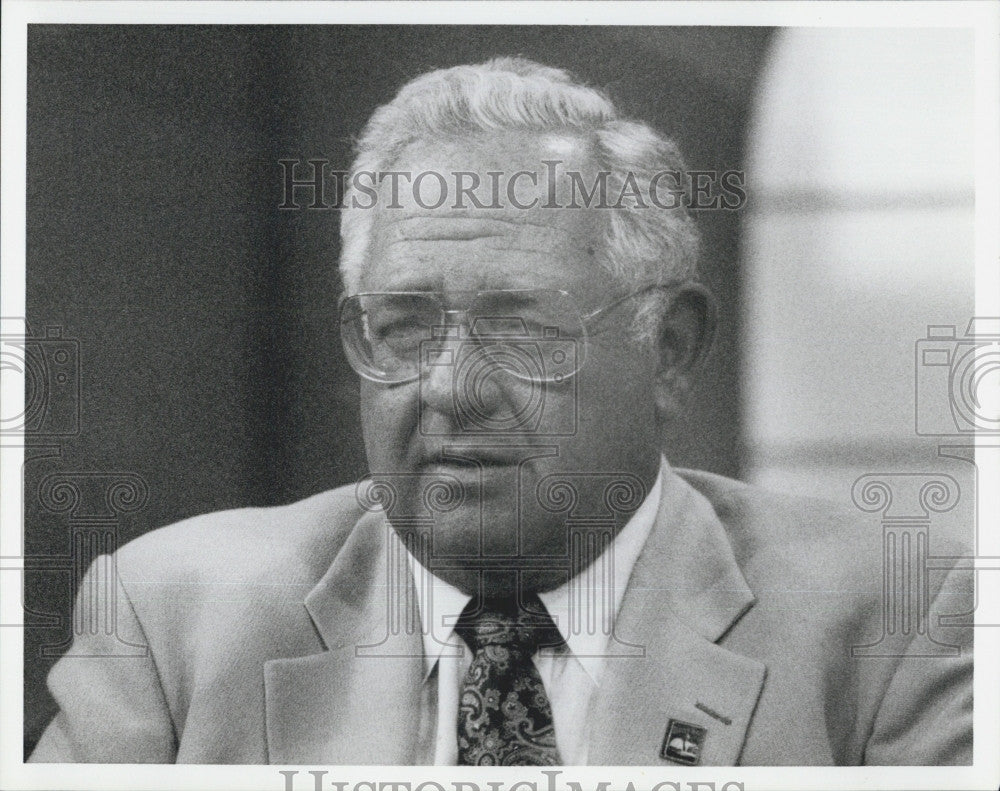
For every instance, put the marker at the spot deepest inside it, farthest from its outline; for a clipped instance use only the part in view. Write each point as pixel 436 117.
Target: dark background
pixel 209 362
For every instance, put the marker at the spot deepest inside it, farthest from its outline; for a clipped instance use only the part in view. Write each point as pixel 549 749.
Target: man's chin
pixel 483 546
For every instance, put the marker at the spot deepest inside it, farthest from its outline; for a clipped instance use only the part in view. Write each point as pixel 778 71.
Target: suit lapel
pixel 685 592
pixel 358 701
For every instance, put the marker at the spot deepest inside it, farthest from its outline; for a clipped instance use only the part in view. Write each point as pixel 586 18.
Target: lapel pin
pixel 683 743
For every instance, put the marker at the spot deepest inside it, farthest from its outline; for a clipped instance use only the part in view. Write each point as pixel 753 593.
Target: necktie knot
pixel 522 629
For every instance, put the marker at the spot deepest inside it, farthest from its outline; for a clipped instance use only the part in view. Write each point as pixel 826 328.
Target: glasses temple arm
pixel 596 315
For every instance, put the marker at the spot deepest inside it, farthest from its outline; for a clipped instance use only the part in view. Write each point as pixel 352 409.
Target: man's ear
pixel 686 333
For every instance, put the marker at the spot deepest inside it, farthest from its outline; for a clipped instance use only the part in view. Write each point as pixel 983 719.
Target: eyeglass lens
pixel 535 334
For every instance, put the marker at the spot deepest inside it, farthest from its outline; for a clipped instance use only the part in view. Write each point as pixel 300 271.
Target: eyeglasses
pixel 538 335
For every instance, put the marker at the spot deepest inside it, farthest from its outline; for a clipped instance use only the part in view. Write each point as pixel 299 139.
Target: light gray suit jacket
pixel 746 604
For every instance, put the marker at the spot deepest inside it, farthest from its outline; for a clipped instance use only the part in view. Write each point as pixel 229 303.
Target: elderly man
pixel 522 578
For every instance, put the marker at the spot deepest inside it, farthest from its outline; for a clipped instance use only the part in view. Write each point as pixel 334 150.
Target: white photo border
pixel 982 17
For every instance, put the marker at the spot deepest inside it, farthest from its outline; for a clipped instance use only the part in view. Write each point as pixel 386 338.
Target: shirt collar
pixel 439 605
pixel 578 607
pixel 569 605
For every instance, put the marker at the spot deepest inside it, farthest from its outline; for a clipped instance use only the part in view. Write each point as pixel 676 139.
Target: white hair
pixel 639 246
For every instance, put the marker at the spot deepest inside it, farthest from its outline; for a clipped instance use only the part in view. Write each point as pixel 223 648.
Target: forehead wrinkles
pixel 489 252
pixel 485 251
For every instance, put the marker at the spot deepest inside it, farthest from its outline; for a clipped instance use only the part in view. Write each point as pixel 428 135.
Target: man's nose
pixel 461 388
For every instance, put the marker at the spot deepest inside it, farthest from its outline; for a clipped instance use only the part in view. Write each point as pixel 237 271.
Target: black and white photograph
pixel 500 396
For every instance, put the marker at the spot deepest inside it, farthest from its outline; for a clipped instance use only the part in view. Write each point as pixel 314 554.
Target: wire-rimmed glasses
pixel 537 335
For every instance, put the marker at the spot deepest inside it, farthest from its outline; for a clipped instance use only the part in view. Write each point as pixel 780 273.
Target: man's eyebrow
pixel 405 300
pixel 496 298
pixel 515 297
pixel 415 284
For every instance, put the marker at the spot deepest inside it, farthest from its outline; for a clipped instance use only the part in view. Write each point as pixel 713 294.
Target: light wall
pixel 859 235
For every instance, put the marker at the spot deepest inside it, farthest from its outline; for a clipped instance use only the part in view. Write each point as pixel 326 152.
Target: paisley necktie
pixel 504 715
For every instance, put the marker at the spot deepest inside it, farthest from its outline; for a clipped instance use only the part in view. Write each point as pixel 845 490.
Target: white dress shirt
pixel 571 672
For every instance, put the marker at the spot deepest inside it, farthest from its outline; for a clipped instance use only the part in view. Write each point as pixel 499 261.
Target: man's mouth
pixel 470 460
pixel 473 458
